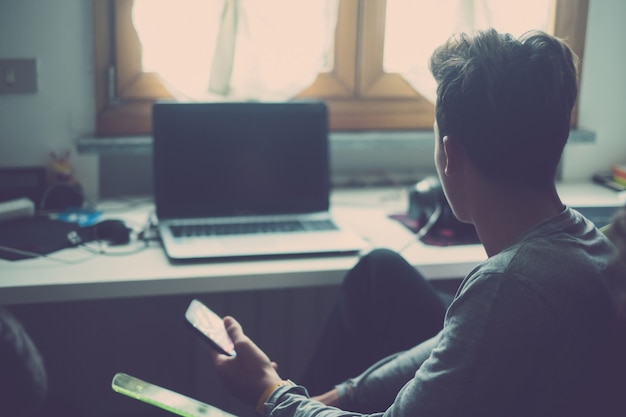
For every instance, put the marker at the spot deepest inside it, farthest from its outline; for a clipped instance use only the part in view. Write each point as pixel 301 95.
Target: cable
pixel 150 230
pixel 432 220
pixel 45 256
pixel 142 237
pixel 104 252
pixel 148 233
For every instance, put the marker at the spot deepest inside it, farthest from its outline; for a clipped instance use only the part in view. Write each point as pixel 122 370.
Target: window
pixel 360 94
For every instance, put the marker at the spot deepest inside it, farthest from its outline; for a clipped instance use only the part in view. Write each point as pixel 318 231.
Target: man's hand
pixel 248 374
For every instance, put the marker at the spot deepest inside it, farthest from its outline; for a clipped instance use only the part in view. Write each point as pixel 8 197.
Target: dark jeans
pixel 385 306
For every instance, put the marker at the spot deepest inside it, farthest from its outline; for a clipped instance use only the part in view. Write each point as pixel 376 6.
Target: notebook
pixel 226 173
pixel 164 398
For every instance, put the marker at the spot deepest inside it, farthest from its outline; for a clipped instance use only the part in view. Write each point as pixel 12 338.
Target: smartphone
pixel 164 398
pixel 211 326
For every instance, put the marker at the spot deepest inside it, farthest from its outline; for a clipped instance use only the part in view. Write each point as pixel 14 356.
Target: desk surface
pixel 76 274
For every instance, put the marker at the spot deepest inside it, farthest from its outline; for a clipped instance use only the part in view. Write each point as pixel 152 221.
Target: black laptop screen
pixel 222 159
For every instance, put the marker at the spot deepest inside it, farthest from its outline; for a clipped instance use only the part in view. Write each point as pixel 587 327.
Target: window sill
pixel 357 158
pixel 372 140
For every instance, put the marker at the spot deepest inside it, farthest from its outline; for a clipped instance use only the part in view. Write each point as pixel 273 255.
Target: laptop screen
pixel 224 159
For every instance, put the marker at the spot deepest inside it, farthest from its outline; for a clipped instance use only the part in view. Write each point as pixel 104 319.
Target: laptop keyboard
pixel 224 229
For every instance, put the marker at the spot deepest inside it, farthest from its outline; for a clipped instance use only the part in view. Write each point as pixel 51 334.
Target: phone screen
pixel 164 398
pixel 207 322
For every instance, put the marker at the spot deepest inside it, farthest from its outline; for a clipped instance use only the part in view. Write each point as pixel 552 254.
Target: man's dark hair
pixel 508 101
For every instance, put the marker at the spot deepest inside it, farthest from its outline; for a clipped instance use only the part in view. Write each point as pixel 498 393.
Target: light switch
pixel 18 76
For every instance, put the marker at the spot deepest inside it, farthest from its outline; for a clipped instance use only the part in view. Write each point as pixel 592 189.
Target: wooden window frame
pixel 359 94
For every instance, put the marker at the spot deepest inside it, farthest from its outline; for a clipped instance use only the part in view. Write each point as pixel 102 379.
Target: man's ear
pixel 454 154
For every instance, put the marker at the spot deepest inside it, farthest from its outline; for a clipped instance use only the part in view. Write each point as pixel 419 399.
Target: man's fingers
pixel 234 329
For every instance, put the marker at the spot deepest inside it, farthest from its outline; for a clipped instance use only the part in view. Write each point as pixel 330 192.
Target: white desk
pixel 148 272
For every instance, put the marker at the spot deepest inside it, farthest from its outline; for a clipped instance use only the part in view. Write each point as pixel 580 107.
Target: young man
pixel 525 331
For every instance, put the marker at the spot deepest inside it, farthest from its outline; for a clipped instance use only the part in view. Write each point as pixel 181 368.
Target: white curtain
pixel 236 49
pixel 415 28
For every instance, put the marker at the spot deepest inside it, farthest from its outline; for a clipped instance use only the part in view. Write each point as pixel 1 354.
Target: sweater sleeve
pixel 498 340
pixel 488 352
pixel 377 387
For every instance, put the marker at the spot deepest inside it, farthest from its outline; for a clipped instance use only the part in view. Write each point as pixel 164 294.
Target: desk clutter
pixel 34 236
pixel 439 234
pixel 43 210
pixel 430 217
pixel 51 188
pixel 16 208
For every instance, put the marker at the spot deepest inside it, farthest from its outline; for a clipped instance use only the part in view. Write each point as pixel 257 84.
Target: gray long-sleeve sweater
pixel 518 339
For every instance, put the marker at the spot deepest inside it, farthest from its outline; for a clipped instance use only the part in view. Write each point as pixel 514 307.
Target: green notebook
pixel 164 398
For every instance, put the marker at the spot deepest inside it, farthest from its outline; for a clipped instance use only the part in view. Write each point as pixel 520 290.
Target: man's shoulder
pixel 566 242
pixel 561 270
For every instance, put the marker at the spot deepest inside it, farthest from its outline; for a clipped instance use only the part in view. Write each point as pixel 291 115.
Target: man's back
pixel 524 332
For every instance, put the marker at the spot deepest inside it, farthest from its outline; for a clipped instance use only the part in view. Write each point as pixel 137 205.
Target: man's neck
pixel 501 215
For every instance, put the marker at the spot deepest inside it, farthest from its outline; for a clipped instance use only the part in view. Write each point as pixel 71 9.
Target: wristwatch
pixel 260 407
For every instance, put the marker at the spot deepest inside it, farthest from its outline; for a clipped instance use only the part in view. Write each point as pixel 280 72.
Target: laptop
pixel 245 179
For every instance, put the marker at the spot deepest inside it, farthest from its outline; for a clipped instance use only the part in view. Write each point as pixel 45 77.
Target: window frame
pixel 359 94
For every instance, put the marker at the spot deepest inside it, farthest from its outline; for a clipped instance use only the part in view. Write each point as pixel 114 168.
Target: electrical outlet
pixel 18 76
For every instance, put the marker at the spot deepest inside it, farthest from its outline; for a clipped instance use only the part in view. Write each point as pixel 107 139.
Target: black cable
pixel 432 220
pixel 35 255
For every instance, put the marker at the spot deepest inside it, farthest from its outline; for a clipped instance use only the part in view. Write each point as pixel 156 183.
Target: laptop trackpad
pixel 251 245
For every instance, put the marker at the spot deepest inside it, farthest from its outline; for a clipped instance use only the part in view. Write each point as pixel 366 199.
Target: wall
pixel 59 34
pixel 603 92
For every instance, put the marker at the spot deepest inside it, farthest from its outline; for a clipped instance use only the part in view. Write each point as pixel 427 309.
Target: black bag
pixel 36 236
